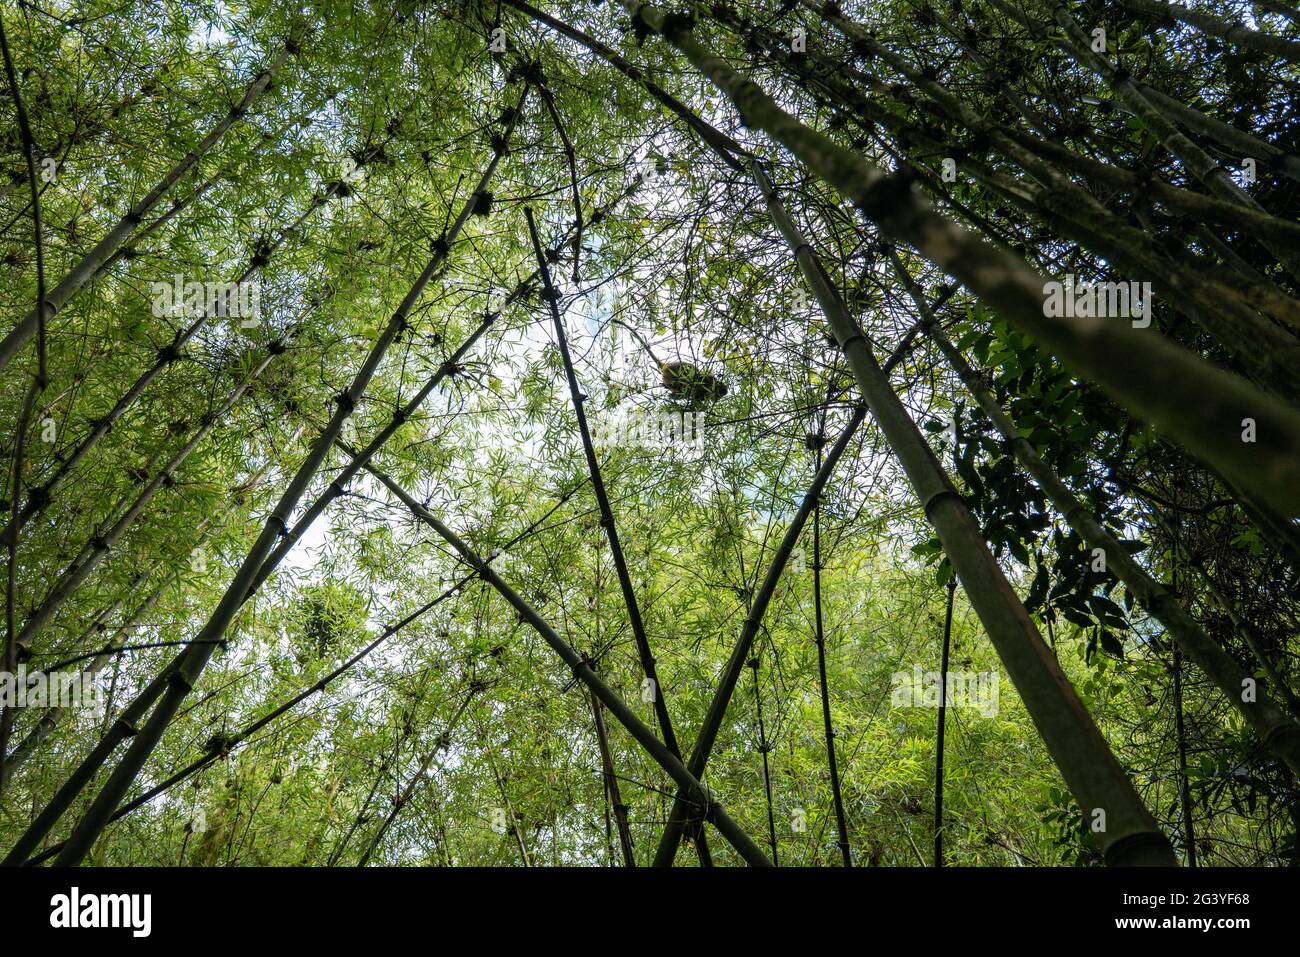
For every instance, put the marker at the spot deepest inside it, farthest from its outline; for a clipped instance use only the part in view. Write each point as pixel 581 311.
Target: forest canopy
pixel 598 432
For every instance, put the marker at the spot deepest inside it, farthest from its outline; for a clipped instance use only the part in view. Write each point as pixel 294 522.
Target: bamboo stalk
pixel 841 820
pixel 677 819
pixel 1275 729
pixel 942 726
pixel 610 779
pixel 696 792
pixel 191 662
pixel 315 688
pixel 1129 834
pixel 1202 407
pixel 80 274
pixel 1236 33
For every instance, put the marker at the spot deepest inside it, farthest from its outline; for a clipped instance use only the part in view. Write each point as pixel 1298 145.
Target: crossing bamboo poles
pixel 124 726
pixel 1236 33
pixel 695 792
pixel 644 651
pixel 1129 834
pixel 317 687
pixel 1277 730
pixel 336 488
pixel 729 152
pixel 239 737
pixel 127 724
pixel 104 541
pixel 404 797
pixel 673 830
pixel 1202 407
pixel 80 274
pixel 708 733
pixel 1122 825
pixel 39 498
pixel 189 665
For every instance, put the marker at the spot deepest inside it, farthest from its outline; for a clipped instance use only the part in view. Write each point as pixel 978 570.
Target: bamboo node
pixel 680 21
pixel 888 196
pixel 937 497
pixel 38 496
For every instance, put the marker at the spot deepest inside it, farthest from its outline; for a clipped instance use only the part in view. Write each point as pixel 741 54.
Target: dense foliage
pixel 378 699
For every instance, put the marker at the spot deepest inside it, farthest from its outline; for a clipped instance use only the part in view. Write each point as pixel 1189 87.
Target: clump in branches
pixel 685 381
pixel 221 743
pixel 530 71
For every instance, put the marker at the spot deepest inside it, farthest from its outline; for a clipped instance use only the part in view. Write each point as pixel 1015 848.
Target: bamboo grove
pixel 614 433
